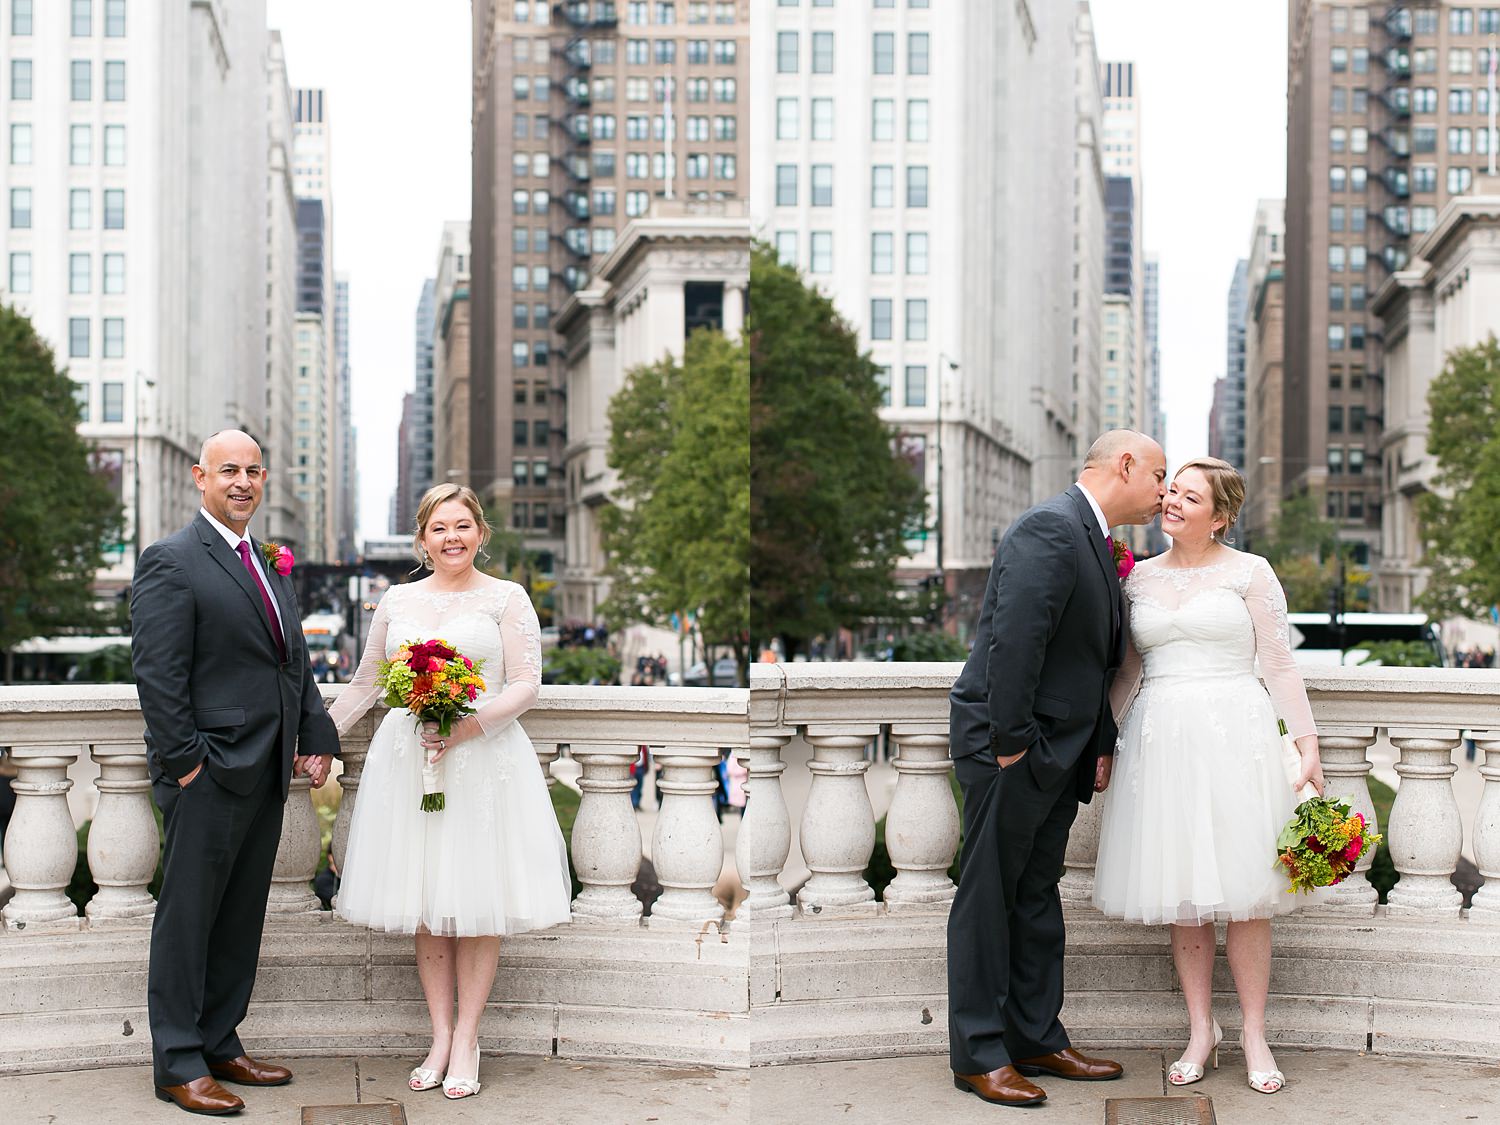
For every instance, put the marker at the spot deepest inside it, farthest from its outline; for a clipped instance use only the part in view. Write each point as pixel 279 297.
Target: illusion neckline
pixel 1225 560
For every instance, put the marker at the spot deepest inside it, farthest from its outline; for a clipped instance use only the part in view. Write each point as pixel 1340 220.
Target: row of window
pixel 80 274
pixel 533 473
pixel 883 52
pixel 882 119
pixel 535 433
pixel 538 392
pixel 1352 256
pixel 80 76
pixel 637 12
pixel 80 209
pixel 80 145
pixel 1353 335
pixel 1350 460
pixel 883 252
pixel 914 386
pixel 1356 416
pixel 23 18
pixel 1419 99
pixel 698 90
pixel 1354 295
pixel 882 185
pixel 1422 21
pixel 525 202
pixel 1336 506
pixel 882 311
pixel 829 3
pixel 698 52
pixel 521 355
pixel 1420 179
pixel 539 515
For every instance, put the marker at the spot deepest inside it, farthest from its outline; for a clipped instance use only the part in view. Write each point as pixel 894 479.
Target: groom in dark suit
pixel 1031 736
pixel 231 713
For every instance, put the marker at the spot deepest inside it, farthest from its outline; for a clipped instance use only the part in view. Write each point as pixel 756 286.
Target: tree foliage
pixel 57 516
pixel 832 500
pixel 1303 547
pixel 1460 519
pixel 678 537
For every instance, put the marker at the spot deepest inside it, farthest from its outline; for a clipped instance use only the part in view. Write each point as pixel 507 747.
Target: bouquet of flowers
pixel 1323 841
pixel 437 684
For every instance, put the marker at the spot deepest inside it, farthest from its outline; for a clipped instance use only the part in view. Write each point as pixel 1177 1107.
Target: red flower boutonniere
pixel 1124 560
pixel 278 557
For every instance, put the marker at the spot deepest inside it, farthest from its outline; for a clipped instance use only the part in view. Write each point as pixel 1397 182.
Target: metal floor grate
pixel 371 1113
pixel 1196 1110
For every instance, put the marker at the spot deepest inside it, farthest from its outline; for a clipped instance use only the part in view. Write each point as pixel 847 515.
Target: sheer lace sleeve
pixel 521 641
pixel 1128 678
pixel 362 691
pixel 1267 605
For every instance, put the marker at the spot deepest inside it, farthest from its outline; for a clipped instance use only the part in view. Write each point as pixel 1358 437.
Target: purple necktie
pixel 244 550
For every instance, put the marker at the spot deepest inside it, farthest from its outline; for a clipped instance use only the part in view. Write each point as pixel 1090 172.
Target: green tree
pixel 678 537
pixel 832 501
pixel 1304 548
pixel 1460 518
pixel 57 515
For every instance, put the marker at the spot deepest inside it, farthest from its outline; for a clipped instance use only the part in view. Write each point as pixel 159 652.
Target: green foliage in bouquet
pixel 1321 844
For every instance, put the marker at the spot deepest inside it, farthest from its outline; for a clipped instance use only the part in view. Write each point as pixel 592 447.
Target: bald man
pixel 231 713
pixel 1032 736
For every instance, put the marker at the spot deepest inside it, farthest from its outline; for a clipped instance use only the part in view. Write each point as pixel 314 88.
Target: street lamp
pixel 136 457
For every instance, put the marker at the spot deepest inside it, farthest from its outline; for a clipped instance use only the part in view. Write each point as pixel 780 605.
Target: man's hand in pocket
pixel 1010 759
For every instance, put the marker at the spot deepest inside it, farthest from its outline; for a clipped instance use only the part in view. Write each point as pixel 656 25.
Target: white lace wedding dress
pixel 1199 793
pixel 493 861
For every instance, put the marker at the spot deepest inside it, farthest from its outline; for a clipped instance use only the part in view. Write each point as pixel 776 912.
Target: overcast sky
pixel 398 82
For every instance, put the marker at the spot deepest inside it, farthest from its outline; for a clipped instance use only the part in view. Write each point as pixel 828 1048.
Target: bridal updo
pixel 1228 489
pixel 441 494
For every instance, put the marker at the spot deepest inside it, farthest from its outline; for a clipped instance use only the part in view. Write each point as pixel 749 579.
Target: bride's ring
pixel 442 744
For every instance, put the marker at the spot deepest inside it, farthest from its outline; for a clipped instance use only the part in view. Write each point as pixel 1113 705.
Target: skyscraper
pixel 1089 237
pixel 348 469
pixel 450 357
pixel 1230 418
pixel 419 437
pixel 1264 356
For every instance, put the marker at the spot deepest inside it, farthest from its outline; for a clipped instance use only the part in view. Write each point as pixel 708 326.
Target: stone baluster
pixel 921 826
pixel 1076 887
pixel 546 754
pixel 606 836
pixel 1345 753
pixel 1425 834
pixel 765 838
pixel 687 847
pixel 124 845
pixel 1486 904
pixel 837 832
pixel 297 854
pixel 41 845
pixel 352 753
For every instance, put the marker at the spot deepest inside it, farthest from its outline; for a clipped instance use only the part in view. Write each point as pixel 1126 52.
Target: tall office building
pixel 1151 343
pixel 1387 115
pixel 1264 358
pixel 1229 417
pixel 344 433
pixel 133 150
pixel 1089 233
pixel 419 436
pixel 584 113
pixel 450 357
pixel 403 504
pixel 1121 384
pixel 934 221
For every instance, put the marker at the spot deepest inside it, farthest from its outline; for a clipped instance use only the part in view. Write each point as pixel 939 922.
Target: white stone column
pixel 765 837
pixel 734 311
pixel 838 824
pixel 606 837
pixel 1076 887
pixel 124 845
pixel 41 846
pixel 546 754
pixel 687 847
pixel 1346 767
pixel 1425 834
pixel 352 754
pixel 1486 904
pixel 297 854
pixel 921 826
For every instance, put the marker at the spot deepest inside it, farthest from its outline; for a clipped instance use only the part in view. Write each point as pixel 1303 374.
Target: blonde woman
pixel 1199 794
pixel 493 861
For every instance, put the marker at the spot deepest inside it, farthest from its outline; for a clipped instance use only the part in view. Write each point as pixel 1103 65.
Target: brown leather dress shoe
pixel 250 1072
pixel 1003 1087
pixel 1070 1064
pixel 201 1095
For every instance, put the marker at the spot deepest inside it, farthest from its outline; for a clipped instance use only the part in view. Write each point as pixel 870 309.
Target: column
pixel 765 838
pixel 124 845
pixel 606 837
pixel 921 827
pixel 297 854
pixel 352 754
pixel 838 825
pixel 41 846
pixel 546 754
pixel 687 847
pixel 1486 904
pixel 734 311
pixel 1076 887
pixel 1425 834
pixel 1346 767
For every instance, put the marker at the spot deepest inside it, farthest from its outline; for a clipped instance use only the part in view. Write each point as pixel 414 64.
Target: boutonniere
pixel 1124 560
pixel 278 557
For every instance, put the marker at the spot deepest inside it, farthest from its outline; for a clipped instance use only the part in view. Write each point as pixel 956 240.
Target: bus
pixel 323 633
pixel 1319 643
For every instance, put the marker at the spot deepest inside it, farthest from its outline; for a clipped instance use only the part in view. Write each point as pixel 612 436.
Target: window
pixel 20 17
pixel 1460 60
pixel 20 144
pixel 916 385
pixel 1336 298
pixel 520 315
pixel 882 380
pixel 916 252
pixel 636 203
pixel 114 274
pixel 666 12
pixel 786 247
pixel 539 392
pixel 1335 337
pixel 822 119
pixel 885 52
pixel 114 209
pixel 1424 177
pixel 882 186
pixel 917 57
pixel 1460 100
pixel 822 185
pixel 520 278
pixel 520 467
pixel 540 430
pixel 1339 101
pixel 1336 219
pixel 1360 60
pixel 20 80
pixel 1357 259
pixel 1336 258
pixel 1357 174
pixel 724 166
pixel 78 337
pixel 1338 139
pixel 916 319
pixel 539 201
pixel 697 166
pixel 1356 298
pixel 83 18
pixel 1359 139
pixel 637 13
pixel 725 90
pixel 81 400
pixel 519 164
pixel 81 145
pixel 1335 419
pixel 520 432
pixel 1338 177
pixel 114 146
pixel 539 476
pixel 20 208
pixel 114 19
pixel 540 276
pixel 114 337
pixel 541 316
pixel 917 119
pixel 1460 142
pixel 726 53
pixel 520 201
pixel 916 185
pixel 81 83
pixel 1425 21
pixel 519 509
pixel 1357 336
pixel 1459 180
pixel 20 273
pixel 786 52
pixel 788 118
pixel 1338 59
pixel 79 274
pixel 520 354
pixel 114 81
pixel 1424 60
pixel 883 117
pixel 638 52
pixel 1357 219
pixel 114 402
pixel 822 252
pixel 1335 461
pixel 1423 219
pixel 697 128
pixel 1489 21
pixel 666 51
pixel 1339 20
pixel 882 252
pixel 786 185
pixel 822 52
pixel 697 91
pixel 1424 138
pixel 880 318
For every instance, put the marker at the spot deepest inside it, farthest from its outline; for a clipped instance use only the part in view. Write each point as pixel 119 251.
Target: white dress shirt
pixel 1094 504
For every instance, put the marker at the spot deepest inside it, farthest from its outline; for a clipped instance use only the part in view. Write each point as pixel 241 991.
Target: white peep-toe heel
pixel 1183 1073
pixel 456 1088
pixel 423 1079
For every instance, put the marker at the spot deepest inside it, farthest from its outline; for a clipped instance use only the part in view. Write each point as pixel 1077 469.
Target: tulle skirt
pixel 1194 806
pixel 493 861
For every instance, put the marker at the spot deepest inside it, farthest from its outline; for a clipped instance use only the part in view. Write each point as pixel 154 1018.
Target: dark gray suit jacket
pixel 212 685
pixel 1046 649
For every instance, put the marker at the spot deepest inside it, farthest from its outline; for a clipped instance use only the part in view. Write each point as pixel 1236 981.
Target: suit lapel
pixel 281 590
pixel 219 551
pixel 1101 553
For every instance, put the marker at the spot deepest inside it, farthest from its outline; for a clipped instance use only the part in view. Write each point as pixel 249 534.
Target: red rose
pixel 468 663
pixel 1314 845
pixel 473 694
pixel 1357 845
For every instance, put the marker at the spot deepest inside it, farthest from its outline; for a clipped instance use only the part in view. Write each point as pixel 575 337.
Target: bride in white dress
pixel 1199 793
pixel 493 861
